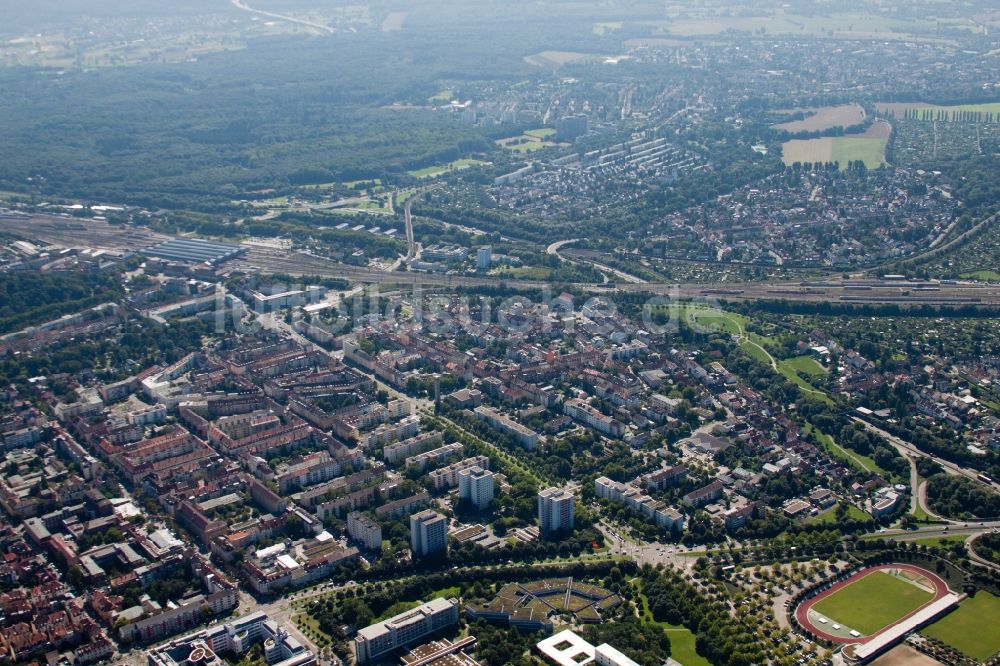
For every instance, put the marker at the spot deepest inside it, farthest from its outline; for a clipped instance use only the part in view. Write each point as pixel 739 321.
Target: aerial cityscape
pixel 500 333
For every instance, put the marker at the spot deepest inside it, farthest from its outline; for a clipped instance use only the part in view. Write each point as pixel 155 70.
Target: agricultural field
pixel 556 58
pixel 823 118
pixel 873 602
pixel 868 147
pixel 972 628
pixel 438 170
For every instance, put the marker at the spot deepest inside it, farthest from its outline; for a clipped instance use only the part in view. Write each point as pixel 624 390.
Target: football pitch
pixel 873 602
pixel 972 629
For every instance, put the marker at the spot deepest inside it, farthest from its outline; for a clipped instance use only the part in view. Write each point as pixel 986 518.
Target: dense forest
pixel 959 497
pixel 28 298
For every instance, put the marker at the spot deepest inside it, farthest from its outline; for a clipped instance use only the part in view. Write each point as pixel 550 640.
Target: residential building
pixel 476 485
pixel 447 477
pixel 364 530
pixel 428 533
pixel 525 436
pixel 555 510
pixel 484 257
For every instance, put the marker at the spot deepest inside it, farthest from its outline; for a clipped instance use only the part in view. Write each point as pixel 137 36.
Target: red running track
pixel 802 611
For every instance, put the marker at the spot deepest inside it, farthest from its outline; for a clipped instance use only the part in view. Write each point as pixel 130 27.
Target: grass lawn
pixel 921 515
pixel 709 318
pixel 526 272
pixel 529 147
pixel 682 641
pixel 755 351
pixel 307 621
pixel 972 629
pixel 541 133
pixel 872 603
pixel 807 365
pixel 942 542
pixel 789 372
pixel 839 452
pixel 446 592
pixel 397 608
pixel 433 171
pixel 983 276
pixel 830 515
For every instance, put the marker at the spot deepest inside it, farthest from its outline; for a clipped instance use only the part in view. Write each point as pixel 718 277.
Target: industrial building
pixel 194 250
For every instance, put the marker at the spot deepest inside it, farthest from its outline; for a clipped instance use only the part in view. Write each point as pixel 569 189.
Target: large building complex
pixel 404 629
pixel 194 250
pixel 234 638
pixel 568 649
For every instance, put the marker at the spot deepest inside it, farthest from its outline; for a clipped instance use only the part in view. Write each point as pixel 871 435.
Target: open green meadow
pixel 704 317
pixel 840 453
pixel 541 133
pixel 941 542
pixel 437 170
pixel 972 628
pixel 807 365
pixel 982 276
pixel 873 602
pixel 529 147
pixel 830 515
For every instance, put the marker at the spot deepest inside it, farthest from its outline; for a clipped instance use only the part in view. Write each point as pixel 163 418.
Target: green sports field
pixel 972 629
pixel 872 603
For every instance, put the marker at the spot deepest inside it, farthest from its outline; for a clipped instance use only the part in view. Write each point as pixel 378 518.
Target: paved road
pixel 411 247
pixel 281 17
pixel 907 449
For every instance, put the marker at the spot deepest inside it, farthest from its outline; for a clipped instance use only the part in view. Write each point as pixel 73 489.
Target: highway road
pixel 281 17
pixel 907 449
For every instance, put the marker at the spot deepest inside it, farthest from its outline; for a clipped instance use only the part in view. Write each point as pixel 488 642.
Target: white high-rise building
pixel 428 533
pixel 476 485
pixel 555 510
pixel 484 257
pixel 364 530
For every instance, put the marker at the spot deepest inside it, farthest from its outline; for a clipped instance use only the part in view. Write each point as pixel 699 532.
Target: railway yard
pixel 67 232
